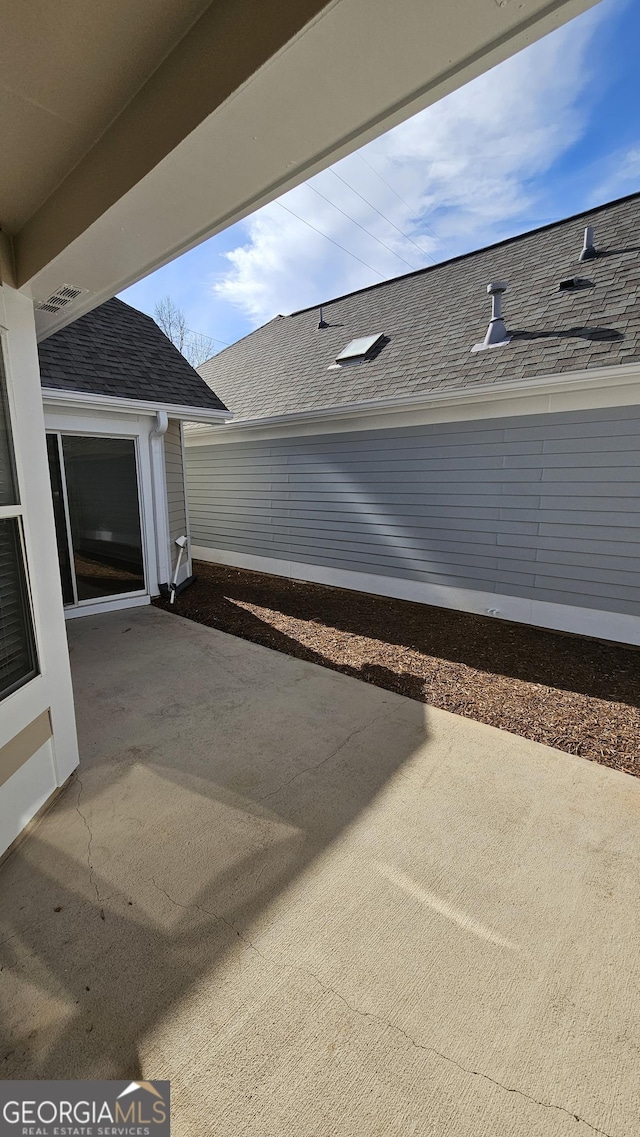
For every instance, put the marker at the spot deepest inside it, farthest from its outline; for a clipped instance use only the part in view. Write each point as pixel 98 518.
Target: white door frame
pixel 136 428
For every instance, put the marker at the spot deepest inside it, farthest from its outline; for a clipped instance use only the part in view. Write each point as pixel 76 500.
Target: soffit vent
pixel 60 298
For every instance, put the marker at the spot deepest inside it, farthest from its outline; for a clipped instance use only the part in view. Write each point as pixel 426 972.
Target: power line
pixel 364 230
pixel 540 221
pixel 384 217
pixel 336 243
pixel 214 339
pixel 406 203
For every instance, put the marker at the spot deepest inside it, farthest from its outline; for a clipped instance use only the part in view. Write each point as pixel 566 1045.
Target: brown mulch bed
pixel 577 694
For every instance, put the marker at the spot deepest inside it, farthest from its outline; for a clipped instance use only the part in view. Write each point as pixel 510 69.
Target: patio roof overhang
pixel 129 133
pixel 87 400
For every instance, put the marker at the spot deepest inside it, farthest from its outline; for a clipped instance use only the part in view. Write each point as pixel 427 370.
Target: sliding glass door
pixel 97 509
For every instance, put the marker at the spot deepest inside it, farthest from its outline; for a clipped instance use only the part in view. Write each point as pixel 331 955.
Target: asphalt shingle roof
pixel 116 350
pixel 433 317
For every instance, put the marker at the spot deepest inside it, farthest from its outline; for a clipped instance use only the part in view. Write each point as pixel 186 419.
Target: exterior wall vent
pixel 60 298
pixel 497 335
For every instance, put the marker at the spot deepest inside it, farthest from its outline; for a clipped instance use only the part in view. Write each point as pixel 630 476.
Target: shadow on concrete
pixel 213 775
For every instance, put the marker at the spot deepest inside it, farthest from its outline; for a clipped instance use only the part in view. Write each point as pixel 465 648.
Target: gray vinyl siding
pixel 545 507
pixel 173 452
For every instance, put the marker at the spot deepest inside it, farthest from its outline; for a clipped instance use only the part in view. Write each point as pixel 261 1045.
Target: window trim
pixel 16 512
pixel 25 588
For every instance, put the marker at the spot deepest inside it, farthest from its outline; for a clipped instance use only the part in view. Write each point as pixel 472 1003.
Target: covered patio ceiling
pixel 129 133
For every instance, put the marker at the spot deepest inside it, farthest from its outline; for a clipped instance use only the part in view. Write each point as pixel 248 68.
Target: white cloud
pixel 465 168
pixel 622 176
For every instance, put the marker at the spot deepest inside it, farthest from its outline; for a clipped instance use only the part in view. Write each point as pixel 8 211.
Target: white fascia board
pixel 574 390
pixel 81 400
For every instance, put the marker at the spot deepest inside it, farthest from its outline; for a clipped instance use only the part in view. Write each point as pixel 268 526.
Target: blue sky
pixel 548 133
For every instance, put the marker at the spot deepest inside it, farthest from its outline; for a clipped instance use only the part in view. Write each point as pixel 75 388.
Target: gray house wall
pixel 545 507
pixel 173 456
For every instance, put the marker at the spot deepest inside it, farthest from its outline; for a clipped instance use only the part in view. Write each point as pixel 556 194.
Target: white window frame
pixel 16 511
pixel 138 593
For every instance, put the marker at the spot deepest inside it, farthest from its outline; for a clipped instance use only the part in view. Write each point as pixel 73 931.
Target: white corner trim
pixel 539 613
pixel 575 390
pixel 80 400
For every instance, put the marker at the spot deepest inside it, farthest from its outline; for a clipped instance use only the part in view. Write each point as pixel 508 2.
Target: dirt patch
pixel 577 694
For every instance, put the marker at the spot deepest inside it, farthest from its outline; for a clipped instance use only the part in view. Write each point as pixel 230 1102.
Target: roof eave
pixel 616 376
pixel 83 400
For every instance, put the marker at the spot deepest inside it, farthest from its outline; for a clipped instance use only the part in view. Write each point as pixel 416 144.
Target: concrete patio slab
pixel 320 908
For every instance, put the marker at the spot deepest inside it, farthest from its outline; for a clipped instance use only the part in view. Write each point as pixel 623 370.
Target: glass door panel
pixel 104 515
pixel 18 661
pixel 60 514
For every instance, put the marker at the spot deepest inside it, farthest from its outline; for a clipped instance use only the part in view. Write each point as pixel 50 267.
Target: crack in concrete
pixel 208 912
pixel 378 1018
pixel 14 936
pixel 447 1058
pixel 332 991
pixel 92 879
pixel 312 769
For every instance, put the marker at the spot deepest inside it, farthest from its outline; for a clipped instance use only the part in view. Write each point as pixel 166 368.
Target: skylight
pixel 360 349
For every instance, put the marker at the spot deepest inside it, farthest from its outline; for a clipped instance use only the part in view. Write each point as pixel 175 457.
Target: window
pixel 17 648
pixel 18 663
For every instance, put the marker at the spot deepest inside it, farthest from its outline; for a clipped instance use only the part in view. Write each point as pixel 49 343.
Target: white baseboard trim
pixel 102 606
pixel 539 613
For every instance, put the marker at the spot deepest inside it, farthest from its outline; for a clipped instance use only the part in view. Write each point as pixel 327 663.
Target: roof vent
pixel 322 323
pixel 60 298
pixel 589 251
pixel 357 351
pixel 496 332
pixel 574 284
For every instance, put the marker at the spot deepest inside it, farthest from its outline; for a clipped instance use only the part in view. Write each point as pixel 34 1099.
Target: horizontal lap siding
pixel 545 507
pixel 175 486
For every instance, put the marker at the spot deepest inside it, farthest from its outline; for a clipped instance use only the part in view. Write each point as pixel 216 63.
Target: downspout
pixel 160 505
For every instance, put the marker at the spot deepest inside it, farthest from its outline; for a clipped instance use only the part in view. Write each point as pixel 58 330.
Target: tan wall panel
pixel 25 744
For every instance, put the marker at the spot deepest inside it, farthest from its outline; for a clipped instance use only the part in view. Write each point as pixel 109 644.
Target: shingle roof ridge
pixel 131 308
pixel 235 343
pixel 116 349
pixel 432 322
pixel 461 257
